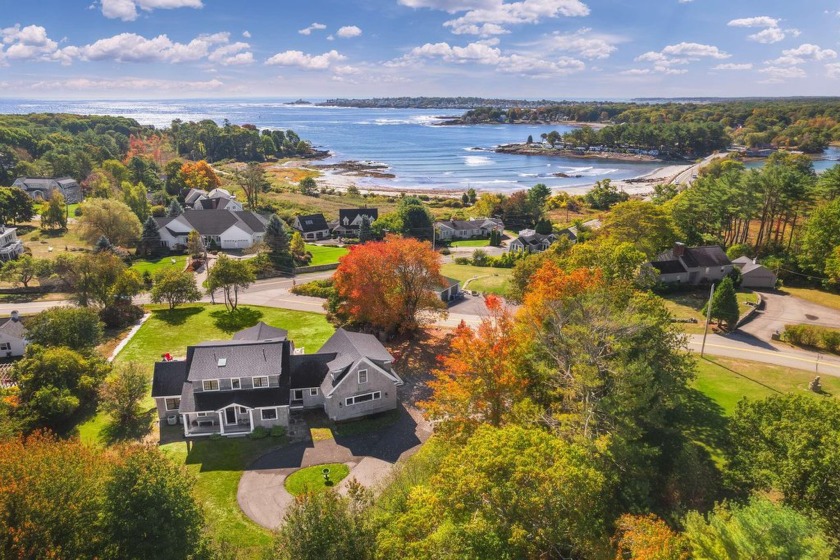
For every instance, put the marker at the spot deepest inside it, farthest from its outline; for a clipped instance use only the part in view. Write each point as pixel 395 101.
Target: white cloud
pixel 126 10
pixel 636 72
pixel 306 61
pixel 348 31
pixel 128 84
pixel 771 33
pixel 759 21
pixel 246 34
pixel 733 66
pixel 808 51
pixel 584 44
pixel 311 28
pixel 694 50
pixel 451 6
pixel 489 17
pixel 833 70
pixel 26 43
pixel 767 36
pixel 232 55
pixel 777 74
pixel 677 55
pixel 130 47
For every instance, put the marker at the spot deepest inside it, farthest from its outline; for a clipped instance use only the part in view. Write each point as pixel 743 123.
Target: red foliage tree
pixel 388 284
pixel 646 537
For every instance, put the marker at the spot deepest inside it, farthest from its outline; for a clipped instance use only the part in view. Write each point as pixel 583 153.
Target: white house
pixel 217 199
pixel 531 241
pixel 223 228
pixel 468 229
pixel 12 336
pixel 10 246
pixel 312 227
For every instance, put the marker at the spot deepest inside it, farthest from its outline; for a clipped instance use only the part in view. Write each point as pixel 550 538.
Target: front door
pixel 230 416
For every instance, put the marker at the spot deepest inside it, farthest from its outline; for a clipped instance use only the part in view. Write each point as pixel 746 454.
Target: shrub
pixel 823 338
pixel 462 260
pixel 445 251
pixel 120 315
pixel 278 432
pixel 316 288
pixel 260 432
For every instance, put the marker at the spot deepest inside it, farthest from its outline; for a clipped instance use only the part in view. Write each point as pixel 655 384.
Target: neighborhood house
pixel 692 265
pixel 312 227
pixel 12 336
pixel 259 379
pixel 222 228
pixel 217 199
pixel 10 246
pixel 468 229
pixel 754 275
pixel 43 188
pixel 532 242
pixel 350 220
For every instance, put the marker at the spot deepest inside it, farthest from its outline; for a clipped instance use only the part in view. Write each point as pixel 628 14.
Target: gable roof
pixel 347 216
pixel 193 195
pixel 697 257
pixel 169 378
pixel 212 222
pixel 311 222
pixel 261 331
pixel 353 346
pixel 14 329
pixel 536 239
pixel 752 267
pixel 309 370
pixel 742 260
pixel 241 358
pixel 668 267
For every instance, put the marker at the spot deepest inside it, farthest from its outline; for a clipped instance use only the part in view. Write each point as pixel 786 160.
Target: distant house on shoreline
pixel 468 229
pixel 42 188
pixel 350 220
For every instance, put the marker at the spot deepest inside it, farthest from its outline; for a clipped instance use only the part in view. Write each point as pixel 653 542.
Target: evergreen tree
pixel 725 304
pixel 471 193
pixel 465 199
pixel 278 243
pixel 103 244
pixel 175 209
pixel 150 238
pixel 364 230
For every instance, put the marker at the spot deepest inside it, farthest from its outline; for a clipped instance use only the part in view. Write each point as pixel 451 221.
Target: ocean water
pixel 406 140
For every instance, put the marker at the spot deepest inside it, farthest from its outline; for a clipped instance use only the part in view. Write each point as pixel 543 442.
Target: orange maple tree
pixel 647 537
pixel 153 147
pixel 478 381
pixel 388 284
pixel 199 175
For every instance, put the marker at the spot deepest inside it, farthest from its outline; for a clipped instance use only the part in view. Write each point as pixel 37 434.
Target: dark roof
pixel 449 282
pixel 696 257
pixel 254 221
pixel 169 378
pixel 252 398
pixel 309 370
pixel 216 222
pixel 570 232
pixel 346 216
pixel 668 267
pixel 12 328
pixel 241 358
pixel 193 195
pixel 356 345
pixel 260 331
pixel 312 222
pixel 536 239
pixel 462 224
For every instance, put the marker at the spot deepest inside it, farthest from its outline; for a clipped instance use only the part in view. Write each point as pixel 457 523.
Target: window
pixel 242 410
pixel 297 394
pixel 260 382
pixel 6 346
pixel 268 414
pixel 222 362
pixel 375 396
pixel 362 376
pixel 313 392
pixel 173 404
pixel 201 414
pixel 211 384
pixel 235 383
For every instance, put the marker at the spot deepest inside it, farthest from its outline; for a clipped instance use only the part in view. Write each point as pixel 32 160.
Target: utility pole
pixel 708 319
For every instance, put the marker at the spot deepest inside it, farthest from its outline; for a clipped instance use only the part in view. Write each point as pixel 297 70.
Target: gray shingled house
pixel 258 378
pixel 42 188
pixel 692 265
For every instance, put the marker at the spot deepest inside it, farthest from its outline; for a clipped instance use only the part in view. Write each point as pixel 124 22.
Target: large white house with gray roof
pixel 226 229
pixel 258 379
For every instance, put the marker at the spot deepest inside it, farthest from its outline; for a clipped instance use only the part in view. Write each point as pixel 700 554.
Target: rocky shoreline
pixel 540 150
pixel 353 168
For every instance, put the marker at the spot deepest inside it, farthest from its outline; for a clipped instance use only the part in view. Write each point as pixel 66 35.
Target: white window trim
pixel 313 392
pixel 296 392
pixel 367 377
pixel 350 401
pixel 264 410
pixel 206 381
pixel 202 414
pixel 166 404
pixel 254 385
pixel 239 380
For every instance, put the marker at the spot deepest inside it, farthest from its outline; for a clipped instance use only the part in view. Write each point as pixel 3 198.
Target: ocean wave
pixel 529 174
pixel 478 161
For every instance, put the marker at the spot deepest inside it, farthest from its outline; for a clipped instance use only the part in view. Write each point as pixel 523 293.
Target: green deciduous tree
pixel 760 529
pixel 94 279
pixel 122 392
pixel 174 287
pixel 78 328
pixel 308 186
pixel 135 198
pixel 55 214
pixel 15 206
pixel 24 269
pixel 604 195
pixel 111 218
pixel 647 226
pixel 820 235
pixel 252 181
pixel 230 275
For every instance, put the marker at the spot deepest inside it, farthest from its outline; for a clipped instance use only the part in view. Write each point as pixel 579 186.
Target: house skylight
pixel 222 362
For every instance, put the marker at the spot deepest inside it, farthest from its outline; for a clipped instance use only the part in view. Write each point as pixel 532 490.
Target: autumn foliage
pixel 477 382
pixel 199 175
pixel 154 148
pixel 388 284
pixel 646 537
pixel 551 283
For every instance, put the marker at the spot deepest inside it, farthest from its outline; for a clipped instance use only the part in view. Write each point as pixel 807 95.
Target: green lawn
pixel 814 295
pixel 325 254
pixel 688 305
pixel 218 466
pixel 311 479
pixel 471 243
pixel 486 279
pixel 156 265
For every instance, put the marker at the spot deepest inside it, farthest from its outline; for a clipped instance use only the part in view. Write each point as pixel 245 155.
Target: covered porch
pixel 228 421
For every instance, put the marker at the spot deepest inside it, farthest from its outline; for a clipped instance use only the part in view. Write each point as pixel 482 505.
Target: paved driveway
pixel 371 458
pixel 781 309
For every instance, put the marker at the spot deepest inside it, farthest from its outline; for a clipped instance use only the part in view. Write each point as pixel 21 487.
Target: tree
pixel 55 382
pixel 174 183
pixel 135 198
pixel 73 327
pixel 759 529
pixel 646 537
pixel 308 186
pixel 50 498
pixel 324 525
pixel 604 195
pixel 365 233
pixel 477 381
pixel 102 245
pixel 278 244
pixel 617 260
pixel 253 182
pixel 230 276
pixel 92 278
pixel 387 284
pixel 15 205
pixel 415 219
pixel 149 238
pixel 543 227
pixel 788 444
pixel 820 235
pixel 647 226
pixel 471 193
pixel 199 175
pixel 24 269
pixel 465 199
pixel 55 214
pixel 537 195
pixel 175 209
pixel 195 244
pixel 298 248
pixel 725 304
pixel 174 287
pixel 111 218
pixel 150 510
pixel 123 390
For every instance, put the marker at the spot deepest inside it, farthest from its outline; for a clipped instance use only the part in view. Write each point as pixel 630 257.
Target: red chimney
pixel 679 249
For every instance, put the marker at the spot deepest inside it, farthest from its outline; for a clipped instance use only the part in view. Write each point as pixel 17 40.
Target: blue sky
pixel 492 48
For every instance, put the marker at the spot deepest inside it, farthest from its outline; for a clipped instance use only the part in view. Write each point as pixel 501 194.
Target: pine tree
pixel 364 230
pixel 150 238
pixel 175 209
pixel 103 245
pixel 725 304
pixel 278 243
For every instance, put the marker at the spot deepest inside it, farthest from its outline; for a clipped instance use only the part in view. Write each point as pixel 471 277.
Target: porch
pixel 228 421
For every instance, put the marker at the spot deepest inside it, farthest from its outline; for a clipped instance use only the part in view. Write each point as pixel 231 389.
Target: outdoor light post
pixel 326 472
pixel 708 319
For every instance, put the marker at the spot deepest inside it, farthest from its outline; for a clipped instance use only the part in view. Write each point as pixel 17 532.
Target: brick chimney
pixel 679 249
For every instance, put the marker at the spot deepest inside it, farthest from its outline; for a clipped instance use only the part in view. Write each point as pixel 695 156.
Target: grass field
pixel 487 279
pixel 325 254
pixel 40 242
pixel 688 305
pixel 814 295
pixel 471 243
pixel 311 479
pixel 154 266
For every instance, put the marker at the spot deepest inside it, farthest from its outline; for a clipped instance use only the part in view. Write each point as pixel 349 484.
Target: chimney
pixel 679 249
pixel 15 316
